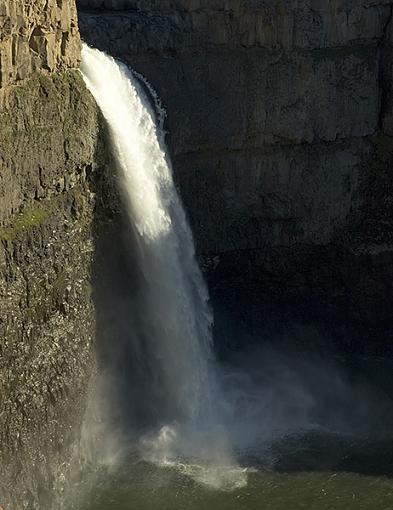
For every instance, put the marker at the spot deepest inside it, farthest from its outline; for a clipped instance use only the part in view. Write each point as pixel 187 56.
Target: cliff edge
pixel 48 153
pixel 38 35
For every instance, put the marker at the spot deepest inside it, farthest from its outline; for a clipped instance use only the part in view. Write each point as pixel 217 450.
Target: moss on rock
pixel 48 142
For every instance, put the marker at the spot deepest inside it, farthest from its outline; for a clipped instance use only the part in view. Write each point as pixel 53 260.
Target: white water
pixel 169 331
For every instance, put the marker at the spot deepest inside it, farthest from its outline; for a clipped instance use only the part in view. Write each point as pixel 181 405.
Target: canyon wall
pixel 279 121
pixel 48 155
pixel 40 34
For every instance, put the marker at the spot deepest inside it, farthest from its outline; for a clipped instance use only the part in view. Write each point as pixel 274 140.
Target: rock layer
pixel 47 319
pixel 280 127
pixel 48 153
pixel 278 120
pixel 39 34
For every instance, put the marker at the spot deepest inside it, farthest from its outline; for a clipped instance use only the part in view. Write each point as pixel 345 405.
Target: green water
pixel 335 451
pixel 164 489
pixel 349 469
pixel 314 473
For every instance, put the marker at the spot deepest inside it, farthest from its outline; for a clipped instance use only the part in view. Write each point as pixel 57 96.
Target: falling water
pixel 169 332
pixel 160 357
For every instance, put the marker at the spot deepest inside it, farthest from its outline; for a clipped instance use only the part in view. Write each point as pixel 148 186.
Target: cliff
pixel 37 35
pixel 279 121
pixel 281 132
pixel 48 153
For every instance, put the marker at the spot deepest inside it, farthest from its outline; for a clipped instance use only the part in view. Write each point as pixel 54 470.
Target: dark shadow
pixel 117 281
pixel 316 451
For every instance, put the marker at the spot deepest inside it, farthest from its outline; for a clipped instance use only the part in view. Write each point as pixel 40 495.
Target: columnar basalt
pixel 279 124
pixel 39 34
pixel 281 132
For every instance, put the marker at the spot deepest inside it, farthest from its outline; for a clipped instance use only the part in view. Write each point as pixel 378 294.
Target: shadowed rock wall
pixel 279 123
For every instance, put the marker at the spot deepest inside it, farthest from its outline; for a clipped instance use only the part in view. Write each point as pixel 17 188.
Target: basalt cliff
pixel 280 125
pixel 48 152
pixel 280 128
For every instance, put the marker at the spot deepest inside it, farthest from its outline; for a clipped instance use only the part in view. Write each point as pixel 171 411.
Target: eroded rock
pixel 39 34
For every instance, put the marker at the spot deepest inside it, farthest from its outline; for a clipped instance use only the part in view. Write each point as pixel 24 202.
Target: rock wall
pixel 39 34
pixel 49 151
pixel 47 319
pixel 280 127
pixel 279 120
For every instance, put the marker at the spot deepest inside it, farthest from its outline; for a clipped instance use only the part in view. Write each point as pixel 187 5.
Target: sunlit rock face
pixel 40 34
pixel 46 251
pixel 48 153
pixel 279 121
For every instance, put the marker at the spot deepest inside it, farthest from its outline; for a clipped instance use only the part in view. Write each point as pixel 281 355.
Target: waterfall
pixel 170 322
